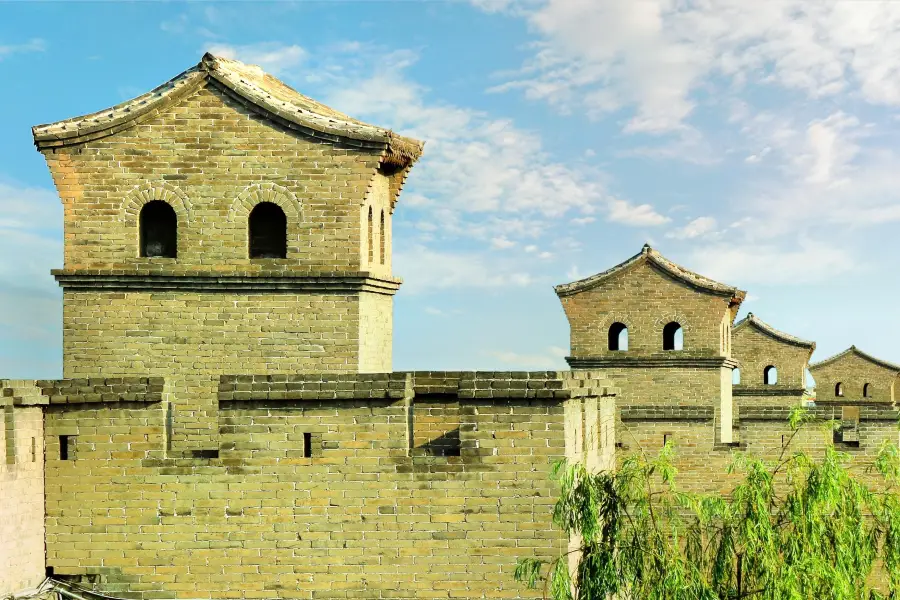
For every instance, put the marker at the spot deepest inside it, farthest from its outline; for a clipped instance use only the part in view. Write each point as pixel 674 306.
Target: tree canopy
pixel 795 528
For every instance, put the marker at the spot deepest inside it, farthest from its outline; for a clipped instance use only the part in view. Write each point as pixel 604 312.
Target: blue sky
pixel 756 143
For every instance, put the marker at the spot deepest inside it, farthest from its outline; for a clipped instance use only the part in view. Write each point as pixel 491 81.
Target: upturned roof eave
pixel 401 149
pixel 765 328
pixel 863 355
pixel 675 271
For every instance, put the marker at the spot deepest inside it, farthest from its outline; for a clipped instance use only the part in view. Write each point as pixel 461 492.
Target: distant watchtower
pixel 772 364
pixel 662 331
pixel 223 223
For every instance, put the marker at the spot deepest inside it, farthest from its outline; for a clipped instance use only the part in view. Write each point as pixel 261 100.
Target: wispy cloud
pixel 32 45
pixel 656 55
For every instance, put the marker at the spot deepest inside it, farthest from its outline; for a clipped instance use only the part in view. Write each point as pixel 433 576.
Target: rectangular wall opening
pixel 67 447
pixel 307 445
pixel 436 426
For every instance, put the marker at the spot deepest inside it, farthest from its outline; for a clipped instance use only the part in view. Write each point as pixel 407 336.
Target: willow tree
pixel 792 529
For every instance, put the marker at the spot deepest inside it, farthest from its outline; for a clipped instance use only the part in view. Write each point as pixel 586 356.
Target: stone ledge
pixel 675 361
pixel 667 413
pixel 769 390
pixel 109 280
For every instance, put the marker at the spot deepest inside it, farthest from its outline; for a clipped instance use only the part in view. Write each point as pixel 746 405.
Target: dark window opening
pixel 867 390
pixel 268 231
pixel 839 389
pixel 158 230
pixel 666 437
pixel 67 447
pixel 736 376
pixel 618 337
pixel 381 237
pixel 33 450
pixel 307 445
pixel 371 241
pixel 770 375
pixel 673 337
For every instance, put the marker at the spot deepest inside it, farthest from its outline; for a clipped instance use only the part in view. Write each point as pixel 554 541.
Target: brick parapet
pixel 102 390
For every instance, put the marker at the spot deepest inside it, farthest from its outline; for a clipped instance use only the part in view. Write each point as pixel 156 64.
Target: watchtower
pixel 224 223
pixel 772 367
pixel 855 376
pixel 664 332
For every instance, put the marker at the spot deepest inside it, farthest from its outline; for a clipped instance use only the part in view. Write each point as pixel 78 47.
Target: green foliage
pixel 791 529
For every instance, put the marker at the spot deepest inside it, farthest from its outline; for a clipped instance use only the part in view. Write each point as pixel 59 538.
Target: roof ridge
pixel 864 355
pixel 673 269
pixel 251 84
pixel 752 319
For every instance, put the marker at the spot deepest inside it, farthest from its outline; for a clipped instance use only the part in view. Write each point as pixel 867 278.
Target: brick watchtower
pixel 223 223
pixel 664 332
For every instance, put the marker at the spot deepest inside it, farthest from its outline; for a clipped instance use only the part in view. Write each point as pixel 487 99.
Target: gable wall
pixel 854 372
pixel 645 300
pixel 212 149
pixel 756 350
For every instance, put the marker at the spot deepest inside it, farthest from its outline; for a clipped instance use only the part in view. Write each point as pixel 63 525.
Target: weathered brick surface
pixel 358 515
pixel 757 347
pixel 853 372
pixel 21 489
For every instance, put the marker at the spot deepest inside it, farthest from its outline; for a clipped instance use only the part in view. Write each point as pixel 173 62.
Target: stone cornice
pixel 651 362
pixel 666 413
pixel 769 390
pixel 244 283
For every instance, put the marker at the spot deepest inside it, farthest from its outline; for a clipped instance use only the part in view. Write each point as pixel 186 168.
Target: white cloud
pixel 582 220
pixel 551 359
pixel 696 228
pixel 501 243
pixel 425 269
pixel 772 264
pixel 32 45
pixel 655 55
pixel 435 311
pixel 622 211
pixel 271 56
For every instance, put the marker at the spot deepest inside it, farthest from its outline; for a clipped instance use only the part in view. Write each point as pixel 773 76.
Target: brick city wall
pixel 21 487
pixel 318 491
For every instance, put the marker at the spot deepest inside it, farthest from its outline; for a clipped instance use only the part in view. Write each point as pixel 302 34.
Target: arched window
pixel 381 237
pixel 770 375
pixel 268 231
pixel 839 389
pixel 371 241
pixel 618 336
pixel 867 390
pixel 673 337
pixel 158 230
pixel 735 376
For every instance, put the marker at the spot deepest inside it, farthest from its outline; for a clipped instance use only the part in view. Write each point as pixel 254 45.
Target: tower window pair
pixel 673 337
pixel 267 228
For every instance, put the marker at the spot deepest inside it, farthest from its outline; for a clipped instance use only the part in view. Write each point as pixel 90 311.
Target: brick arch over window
pixel 264 192
pixel 148 192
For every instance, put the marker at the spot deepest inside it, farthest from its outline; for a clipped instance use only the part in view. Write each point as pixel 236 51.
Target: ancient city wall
pixel 381 486
pixel 21 487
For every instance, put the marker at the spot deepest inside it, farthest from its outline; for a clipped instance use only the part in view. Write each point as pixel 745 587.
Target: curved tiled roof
pixel 250 84
pixel 781 336
pixel 854 350
pixel 674 270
